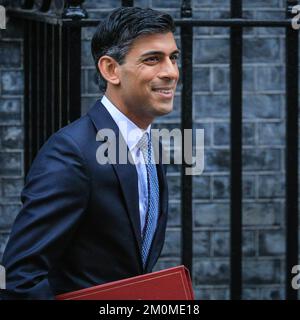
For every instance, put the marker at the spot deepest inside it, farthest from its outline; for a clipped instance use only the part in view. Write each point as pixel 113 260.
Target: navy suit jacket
pixel 79 225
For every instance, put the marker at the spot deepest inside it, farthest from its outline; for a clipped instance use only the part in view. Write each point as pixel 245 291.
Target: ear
pixel 108 67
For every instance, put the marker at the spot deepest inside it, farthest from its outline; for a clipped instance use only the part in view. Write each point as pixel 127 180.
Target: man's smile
pixel 165 92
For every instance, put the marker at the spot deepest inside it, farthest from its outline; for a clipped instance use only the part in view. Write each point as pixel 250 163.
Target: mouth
pixel 164 92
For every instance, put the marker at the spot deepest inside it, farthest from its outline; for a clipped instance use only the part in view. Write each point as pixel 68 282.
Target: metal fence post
pixel 186 123
pixel 291 155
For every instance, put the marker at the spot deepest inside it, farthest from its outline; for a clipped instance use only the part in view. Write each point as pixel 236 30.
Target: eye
pixel 174 57
pixel 152 60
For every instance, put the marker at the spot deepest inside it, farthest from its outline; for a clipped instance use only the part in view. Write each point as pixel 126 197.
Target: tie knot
pixel 144 142
pixel 144 145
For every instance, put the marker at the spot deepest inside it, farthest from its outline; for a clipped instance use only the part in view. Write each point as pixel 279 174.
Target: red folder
pixel 169 284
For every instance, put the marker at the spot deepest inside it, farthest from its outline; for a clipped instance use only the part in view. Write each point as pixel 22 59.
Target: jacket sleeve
pixel 54 199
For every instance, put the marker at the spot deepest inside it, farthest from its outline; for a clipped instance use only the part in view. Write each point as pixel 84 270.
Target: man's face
pixel 148 78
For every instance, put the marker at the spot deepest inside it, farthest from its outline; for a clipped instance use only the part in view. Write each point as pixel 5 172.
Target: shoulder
pixel 65 147
pixel 79 131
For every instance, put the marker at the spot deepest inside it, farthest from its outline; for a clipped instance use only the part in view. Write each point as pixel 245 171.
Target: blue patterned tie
pixel 153 196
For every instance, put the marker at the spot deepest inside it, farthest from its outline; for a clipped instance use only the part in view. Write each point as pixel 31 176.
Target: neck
pixel 139 121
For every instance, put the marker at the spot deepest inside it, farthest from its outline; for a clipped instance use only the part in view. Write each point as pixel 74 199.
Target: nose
pixel 169 70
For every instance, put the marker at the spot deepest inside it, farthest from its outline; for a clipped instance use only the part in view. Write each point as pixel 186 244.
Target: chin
pixel 163 111
pixel 160 108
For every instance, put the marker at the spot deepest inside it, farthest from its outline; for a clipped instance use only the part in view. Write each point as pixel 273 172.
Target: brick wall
pixel 11 126
pixel 263 152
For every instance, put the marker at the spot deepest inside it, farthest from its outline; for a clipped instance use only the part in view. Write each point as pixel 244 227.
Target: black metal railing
pixel 236 77
pixel 52 60
pixel 291 195
pixel 186 123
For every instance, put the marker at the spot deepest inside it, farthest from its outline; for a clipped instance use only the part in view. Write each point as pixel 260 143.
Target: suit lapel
pixel 126 173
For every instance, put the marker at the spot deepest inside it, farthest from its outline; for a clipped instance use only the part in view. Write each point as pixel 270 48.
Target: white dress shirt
pixel 132 134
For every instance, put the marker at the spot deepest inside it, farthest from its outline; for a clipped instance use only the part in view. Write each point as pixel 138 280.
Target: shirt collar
pixel 129 130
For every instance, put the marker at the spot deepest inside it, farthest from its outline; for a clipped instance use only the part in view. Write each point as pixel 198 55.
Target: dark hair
pixel 115 34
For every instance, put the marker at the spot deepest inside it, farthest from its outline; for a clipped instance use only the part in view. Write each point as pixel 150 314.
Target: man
pixel 84 223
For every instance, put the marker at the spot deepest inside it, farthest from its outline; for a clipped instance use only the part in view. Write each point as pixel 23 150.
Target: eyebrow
pixel 157 52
